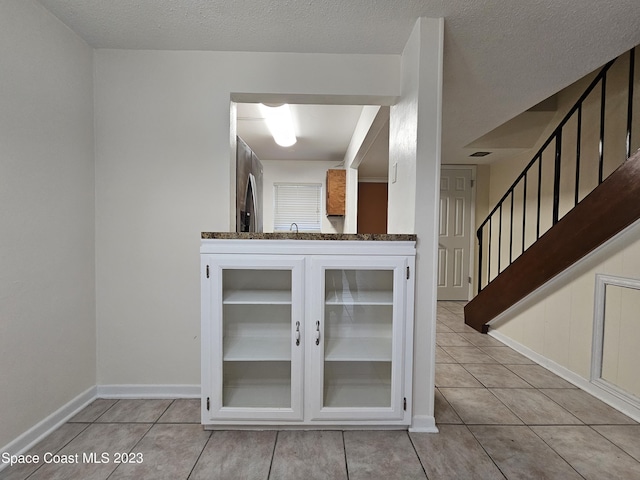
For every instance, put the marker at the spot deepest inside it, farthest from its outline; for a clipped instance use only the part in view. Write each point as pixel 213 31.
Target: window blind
pixel 299 204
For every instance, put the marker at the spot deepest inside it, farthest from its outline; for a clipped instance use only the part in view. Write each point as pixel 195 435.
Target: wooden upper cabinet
pixel 336 191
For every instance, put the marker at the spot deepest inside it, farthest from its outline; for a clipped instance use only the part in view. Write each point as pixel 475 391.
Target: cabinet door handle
pixel 297 333
pixel 318 332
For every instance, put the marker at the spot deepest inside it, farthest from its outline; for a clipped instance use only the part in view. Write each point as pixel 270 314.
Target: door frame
pixel 472 222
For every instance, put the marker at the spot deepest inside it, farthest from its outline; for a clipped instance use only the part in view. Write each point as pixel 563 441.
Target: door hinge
pixel 405 404
pixel 473 182
pixel 469 279
pixel 207 271
pixel 408 273
pixel 208 403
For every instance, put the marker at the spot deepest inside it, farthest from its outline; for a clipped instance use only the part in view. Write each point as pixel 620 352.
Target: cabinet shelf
pixel 250 349
pixel 257 384
pixel 371 297
pixel 362 395
pixel 364 349
pixel 274 395
pixel 257 297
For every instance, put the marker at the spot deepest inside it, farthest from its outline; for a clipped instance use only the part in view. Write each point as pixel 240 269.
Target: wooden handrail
pixel 491 229
pixel 606 211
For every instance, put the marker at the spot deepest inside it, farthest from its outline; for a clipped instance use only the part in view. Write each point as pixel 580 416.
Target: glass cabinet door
pixel 257 338
pixel 358 336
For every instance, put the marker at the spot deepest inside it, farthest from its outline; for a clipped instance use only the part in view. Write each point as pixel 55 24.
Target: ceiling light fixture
pixel 280 123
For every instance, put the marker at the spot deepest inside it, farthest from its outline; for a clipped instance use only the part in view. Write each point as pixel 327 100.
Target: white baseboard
pixel 43 428
pixel 423 424
pixel 571 377
pixel 148 391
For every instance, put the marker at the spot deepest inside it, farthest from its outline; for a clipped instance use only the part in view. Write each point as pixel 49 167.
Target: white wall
pixel 163 174
pixel 414 144
pixel 297 171
pixel 403 142
pixel 558 322
pixel 47 290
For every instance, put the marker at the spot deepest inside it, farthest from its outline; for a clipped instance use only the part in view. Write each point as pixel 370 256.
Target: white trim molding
pixel 52 422
pixel 597 346
pixel 47 425
pixel 423 424
pixel 571 377
pixel 148 391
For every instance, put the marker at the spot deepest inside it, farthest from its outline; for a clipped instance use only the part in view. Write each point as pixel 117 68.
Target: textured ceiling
pixel 501 56
pixel 306 26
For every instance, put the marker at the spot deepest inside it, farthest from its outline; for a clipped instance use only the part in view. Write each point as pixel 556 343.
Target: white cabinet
pixel 358 314
pixel 299 332
pixel 252 359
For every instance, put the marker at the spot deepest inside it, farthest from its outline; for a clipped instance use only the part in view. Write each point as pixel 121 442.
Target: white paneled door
pixel 454 247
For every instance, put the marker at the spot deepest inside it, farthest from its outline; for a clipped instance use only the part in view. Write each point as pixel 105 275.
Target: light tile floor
pixel 499 414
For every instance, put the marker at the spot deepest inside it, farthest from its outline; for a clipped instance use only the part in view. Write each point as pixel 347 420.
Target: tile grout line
pixel 570 386
pixel 200 454
pixel 561 406
pixel 507 407
pixel 60 449
pixel 110 407
pixel 451 406
pixel 555 451
pixel 504 366
pixel 164 411
pixel 273 453
pixel 550 424
pixel 611 441
pixel 88 424
pixel 520 376
pixel 485 451
pixel 130 450
pixel 415 450
pixel 152 424
pixel 344 451
pixel 494 395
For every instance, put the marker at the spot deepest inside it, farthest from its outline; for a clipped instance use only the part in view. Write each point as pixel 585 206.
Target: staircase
pixel 554 213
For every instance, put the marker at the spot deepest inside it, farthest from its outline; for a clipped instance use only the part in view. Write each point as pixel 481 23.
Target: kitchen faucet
pixel 291 227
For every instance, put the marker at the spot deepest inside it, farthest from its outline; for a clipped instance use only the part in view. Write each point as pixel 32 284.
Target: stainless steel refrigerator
pixel 248 189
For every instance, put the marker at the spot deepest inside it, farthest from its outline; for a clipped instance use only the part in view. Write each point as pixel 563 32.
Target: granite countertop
pixel 408 237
